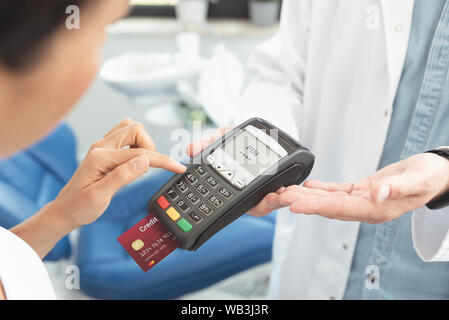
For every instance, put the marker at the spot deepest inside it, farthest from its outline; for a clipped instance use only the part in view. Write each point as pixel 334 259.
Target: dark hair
pixel 25 25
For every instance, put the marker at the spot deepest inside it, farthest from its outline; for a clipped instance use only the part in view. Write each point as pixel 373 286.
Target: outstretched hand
pixel 386 195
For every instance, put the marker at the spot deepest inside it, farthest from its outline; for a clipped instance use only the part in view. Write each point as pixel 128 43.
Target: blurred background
pixel 195 30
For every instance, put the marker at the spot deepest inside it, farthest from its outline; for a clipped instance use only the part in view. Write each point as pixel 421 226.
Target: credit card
pixel 148 242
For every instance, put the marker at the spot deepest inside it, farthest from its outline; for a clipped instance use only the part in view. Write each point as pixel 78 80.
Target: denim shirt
pixel 420 121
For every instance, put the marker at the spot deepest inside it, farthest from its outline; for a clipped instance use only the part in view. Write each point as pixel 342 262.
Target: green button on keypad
pixel 184 225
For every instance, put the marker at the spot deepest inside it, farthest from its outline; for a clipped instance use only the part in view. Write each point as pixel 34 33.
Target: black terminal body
pixel 207 197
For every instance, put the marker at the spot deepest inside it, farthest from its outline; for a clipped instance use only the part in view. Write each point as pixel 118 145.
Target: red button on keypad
pixel 162 202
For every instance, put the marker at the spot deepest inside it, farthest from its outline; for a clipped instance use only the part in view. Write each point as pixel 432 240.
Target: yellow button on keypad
pixel 173 214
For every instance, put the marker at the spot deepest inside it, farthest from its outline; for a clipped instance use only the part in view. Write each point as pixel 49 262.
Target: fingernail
pixel 384 193
pixel 282 189
pixel 179 164
pixel 140 163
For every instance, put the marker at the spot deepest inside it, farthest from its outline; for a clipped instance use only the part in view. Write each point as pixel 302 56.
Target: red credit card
pixel 148 242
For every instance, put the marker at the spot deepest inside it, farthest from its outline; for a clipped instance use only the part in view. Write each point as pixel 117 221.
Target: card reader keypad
pixel 193 198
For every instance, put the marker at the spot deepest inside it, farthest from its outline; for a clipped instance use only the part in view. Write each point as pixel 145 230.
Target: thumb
pixel 396 187
pixel 124 174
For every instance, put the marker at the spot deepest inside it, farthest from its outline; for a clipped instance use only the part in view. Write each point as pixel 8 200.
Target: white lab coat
pixel 329 77
pixel 22 273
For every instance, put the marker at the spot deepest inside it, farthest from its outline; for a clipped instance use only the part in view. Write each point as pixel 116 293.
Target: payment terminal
pixel 227 179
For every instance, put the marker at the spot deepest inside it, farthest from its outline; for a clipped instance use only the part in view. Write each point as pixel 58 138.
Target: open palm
pixel 384 196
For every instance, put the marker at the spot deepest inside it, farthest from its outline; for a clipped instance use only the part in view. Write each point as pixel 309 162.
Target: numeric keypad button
pixel 225 193
pixel 205 209
pixel 212 182
pixel 195 217
pixel 183 205
pixel 193 198
pixel 181 186
pixel 201 171
pixel 202 190
pixel 172 194
pixel 217 202
pixel 191 178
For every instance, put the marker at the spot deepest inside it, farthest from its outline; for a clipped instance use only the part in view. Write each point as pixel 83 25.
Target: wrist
pixel 56 212
pixel 43 230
